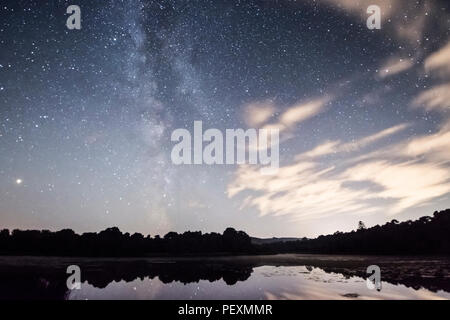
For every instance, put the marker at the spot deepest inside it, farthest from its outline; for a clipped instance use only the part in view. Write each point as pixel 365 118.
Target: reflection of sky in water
pixel 266 282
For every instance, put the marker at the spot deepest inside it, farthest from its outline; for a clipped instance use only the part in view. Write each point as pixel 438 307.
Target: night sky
pixel 86 115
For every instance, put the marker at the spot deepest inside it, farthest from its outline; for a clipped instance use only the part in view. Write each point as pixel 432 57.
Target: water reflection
pixel 267 282
pixel 262 277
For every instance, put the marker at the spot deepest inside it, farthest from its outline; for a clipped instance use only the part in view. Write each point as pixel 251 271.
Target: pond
pixel 288 276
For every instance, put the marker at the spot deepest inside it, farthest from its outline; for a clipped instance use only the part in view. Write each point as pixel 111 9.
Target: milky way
pixel 86 115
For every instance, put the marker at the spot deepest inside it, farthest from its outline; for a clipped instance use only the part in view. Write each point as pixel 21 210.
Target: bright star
pixel 19 181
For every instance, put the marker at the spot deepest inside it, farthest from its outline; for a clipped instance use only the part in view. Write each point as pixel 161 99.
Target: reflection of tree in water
pixel 42 279
pixel 184 272
pixel 49 282
pixel 409 277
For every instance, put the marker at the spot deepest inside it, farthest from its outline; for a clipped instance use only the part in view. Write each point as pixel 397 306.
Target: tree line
pixel 427 235
pixel 112 243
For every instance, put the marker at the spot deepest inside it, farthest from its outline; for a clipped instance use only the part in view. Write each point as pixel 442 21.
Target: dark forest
pixel 427 235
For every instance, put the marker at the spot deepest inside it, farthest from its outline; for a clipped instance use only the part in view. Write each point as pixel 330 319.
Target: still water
pixel 245 277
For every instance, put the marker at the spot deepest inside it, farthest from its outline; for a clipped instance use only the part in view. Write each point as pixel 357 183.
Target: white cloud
pixel 258 113
pixel 298 113
pixel 301 112
pixel 330 147
pixel 436 98
pixel 434 147
pixel 409 183
pixel 390 180
pixel 358 7
pixel 439 62
pixel 325 148
pixel 400 175
pixel 394 66
pixel 396 16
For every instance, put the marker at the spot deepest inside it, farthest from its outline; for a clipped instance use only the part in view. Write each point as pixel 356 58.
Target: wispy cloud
pixel 439 61
pixel 394 20
pixel 405 171
pixel 302 112
pixel 357 7
pixel 435 147
pixel 395 66
pixel 295 114
pixel 258 113
pixel 436 98
pixel 408 183
pixel 390 179
pixel 337 146
pixel 265 115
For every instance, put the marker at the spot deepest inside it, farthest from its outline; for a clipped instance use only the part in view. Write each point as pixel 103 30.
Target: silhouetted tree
pixel 361 225
pixel 427 235
pixel 112 242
